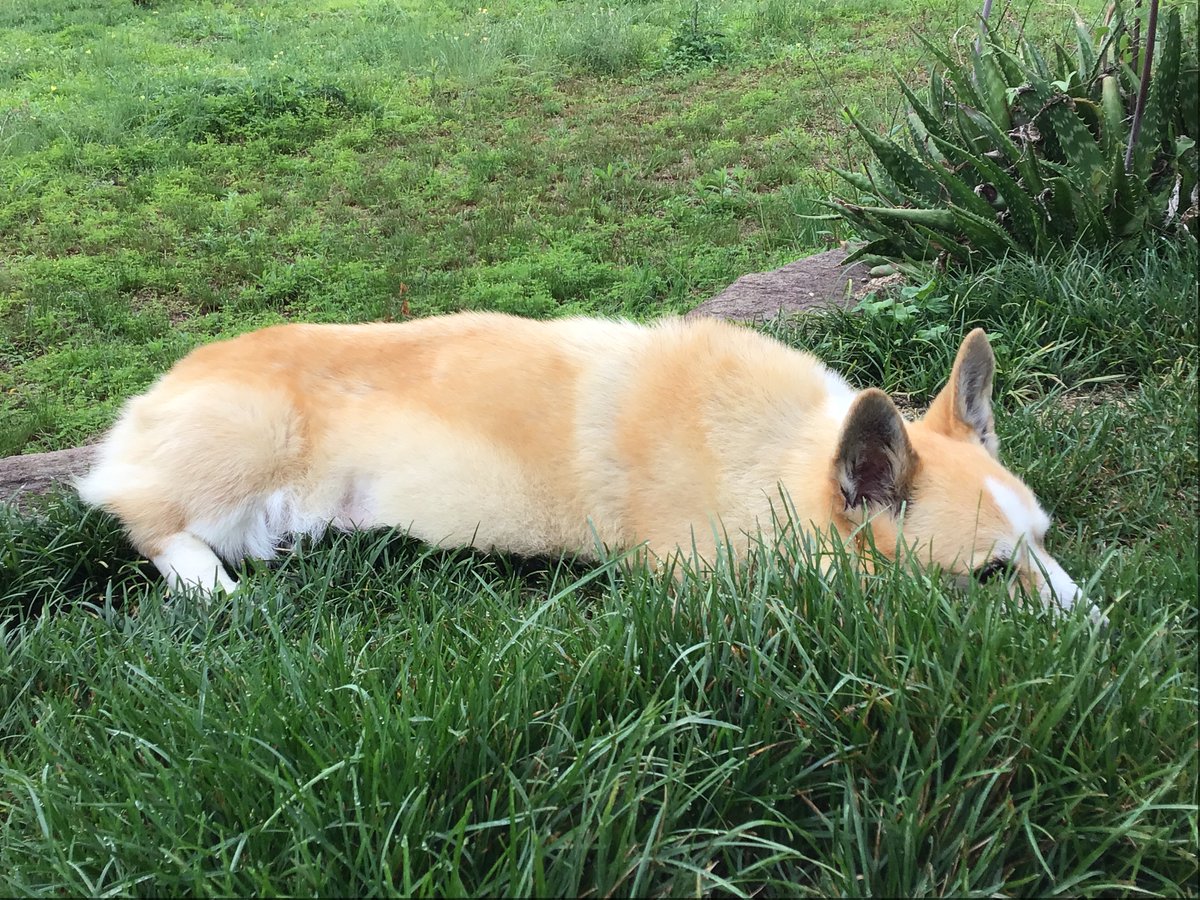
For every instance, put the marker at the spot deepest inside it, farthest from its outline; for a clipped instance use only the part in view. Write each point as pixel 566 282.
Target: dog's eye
pixel 995 567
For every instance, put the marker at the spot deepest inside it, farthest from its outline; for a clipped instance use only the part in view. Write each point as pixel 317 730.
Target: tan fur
pixel 522 436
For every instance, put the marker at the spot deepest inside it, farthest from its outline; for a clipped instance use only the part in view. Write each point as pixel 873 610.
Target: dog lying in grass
pixel 544 437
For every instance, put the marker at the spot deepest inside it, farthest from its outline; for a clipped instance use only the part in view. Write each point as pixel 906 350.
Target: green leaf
pixel 1068 72
pixel 901 166
pixel 1060 211
pixel 992 88
pixel 984 233
pixel 1034 60
pixel 963 87
pixel 931 122
pixel 933 218
pixel 921 143
pixel 950 243
pixel 1078 147
pixel 1100 54
pixel 1013 68
pixel 1160 103
pixel 1113 130
pixel 1128 210
pixel 1090 222
pixel 885 247
pixel 857 179
pixel 1085 52
pixel 1026 163
pixel 1027 220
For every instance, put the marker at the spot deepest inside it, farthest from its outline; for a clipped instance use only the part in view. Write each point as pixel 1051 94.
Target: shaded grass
pixel 433 724
pixel 377 716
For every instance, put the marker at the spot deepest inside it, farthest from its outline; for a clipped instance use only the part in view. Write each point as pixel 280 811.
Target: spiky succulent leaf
pixel 1189 87
pixel 1087 208
pixel 984 233
pixel 1014 71
pixel 1034 59
pixel 1060 211
pixel 1065 69
pixel 1078 146
pixel 887 248
pixel 908 172
pixel 857 179
pixel 957 74
pixel 1114 129
pixel 961 194
pixel 931 218
pixel 1164 83
pixel 919 135
pixel 992 88
pixel 932 123
pixel 1025 162
pixel 1086 52
pixel 1026 220
pixel 940 242
pixel 1008 153
pixel 1128 210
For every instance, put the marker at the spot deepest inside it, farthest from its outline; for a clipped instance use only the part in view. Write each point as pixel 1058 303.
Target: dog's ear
pixel 963 409
pixel 875 460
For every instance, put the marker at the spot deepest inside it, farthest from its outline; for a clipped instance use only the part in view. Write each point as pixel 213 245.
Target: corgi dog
pixel 545 437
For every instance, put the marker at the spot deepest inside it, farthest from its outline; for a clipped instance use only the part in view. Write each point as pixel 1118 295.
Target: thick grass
pixel 374 716
pixel 175 172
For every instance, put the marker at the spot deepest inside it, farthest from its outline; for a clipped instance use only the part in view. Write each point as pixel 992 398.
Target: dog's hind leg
pixel 187 562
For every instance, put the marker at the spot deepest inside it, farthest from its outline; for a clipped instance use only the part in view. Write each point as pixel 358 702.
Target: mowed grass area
pixel 376 716
pixel 178 171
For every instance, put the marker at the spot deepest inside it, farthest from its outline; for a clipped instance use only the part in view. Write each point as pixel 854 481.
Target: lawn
pixel 176 171
pixel 376 716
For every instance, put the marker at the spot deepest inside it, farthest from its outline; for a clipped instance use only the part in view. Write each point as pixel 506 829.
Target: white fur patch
pixel 1056 584
pixel 1027 521
pixel 186 561
pixel 839 396
pixel 1029 525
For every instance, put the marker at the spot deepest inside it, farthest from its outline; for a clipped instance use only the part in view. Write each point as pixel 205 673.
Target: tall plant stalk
pixel 1143 86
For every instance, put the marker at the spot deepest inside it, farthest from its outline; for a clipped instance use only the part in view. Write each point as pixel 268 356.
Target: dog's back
pixel 546 437
pixel 473 429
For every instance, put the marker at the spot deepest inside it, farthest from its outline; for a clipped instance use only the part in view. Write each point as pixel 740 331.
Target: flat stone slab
pixel 38 472
pixel 806 285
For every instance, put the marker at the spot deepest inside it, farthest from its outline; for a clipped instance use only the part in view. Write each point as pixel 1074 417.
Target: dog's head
pixel 938 485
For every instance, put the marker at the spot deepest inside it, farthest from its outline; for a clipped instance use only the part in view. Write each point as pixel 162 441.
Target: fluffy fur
pixel 541 437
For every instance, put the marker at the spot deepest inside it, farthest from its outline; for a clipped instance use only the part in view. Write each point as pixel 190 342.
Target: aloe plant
pixel 1016 150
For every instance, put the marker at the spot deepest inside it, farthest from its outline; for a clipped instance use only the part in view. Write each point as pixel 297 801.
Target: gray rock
pixel 807 284
pixel 38 472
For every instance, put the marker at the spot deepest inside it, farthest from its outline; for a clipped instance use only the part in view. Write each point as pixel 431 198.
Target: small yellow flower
pixel 87 52
pixel 53 87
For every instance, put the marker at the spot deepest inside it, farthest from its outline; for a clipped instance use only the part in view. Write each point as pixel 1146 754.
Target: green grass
pixel 176 172
pixel 374 716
